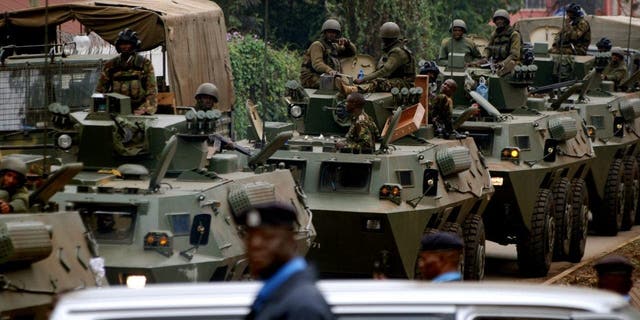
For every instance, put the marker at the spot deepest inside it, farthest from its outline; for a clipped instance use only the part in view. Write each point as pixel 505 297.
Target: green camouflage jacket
pixel 362 134
pixel 396 62
pixel 504 46
pixel 616 72
pixel 578 34
pixel 134 78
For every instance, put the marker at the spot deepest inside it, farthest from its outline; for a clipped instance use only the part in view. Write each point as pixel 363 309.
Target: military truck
pixel 177 228
pixel 538 160
pixel 371 208
pixel 45 253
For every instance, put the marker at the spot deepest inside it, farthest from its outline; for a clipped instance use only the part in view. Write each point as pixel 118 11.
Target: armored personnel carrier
pixel 177 228
pixel 371 208
pixel 44 254
pixel 612 120
pixel 538 160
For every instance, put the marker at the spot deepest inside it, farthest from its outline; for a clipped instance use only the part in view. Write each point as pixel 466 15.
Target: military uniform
pixel 575 38
pixel 322 57
pixel 17 198
pixel 462 45
pixel 362 134
pixel 504 46
pixel 440 112
pixel 396 68
pixel 134 78
pixel 615 71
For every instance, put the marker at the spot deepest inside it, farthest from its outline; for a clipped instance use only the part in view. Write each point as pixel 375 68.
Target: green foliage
pixel 263 82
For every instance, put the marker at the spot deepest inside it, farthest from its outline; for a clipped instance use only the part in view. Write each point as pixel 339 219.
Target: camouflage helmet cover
pixel 209 89
pixel 15 165
pixel 458 23
pixel 331 24
pixel 390 30
pixel 501 13
pixel 129 36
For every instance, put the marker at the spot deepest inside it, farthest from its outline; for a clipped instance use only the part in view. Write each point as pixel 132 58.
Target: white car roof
pixel 236 297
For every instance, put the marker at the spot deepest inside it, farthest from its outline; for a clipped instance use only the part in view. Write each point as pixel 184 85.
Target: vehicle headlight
pixel 64 141
pixel 136 281
pixel 161 241
pixel 295 111
pixel 391 191
pixel 511 154
pixel 497 181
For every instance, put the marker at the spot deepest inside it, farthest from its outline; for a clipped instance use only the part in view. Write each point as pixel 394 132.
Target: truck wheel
pixel 535 247
pixel 563 214
pixel 609 219
pixel 631 192
pixel 474 248
pixel 580 220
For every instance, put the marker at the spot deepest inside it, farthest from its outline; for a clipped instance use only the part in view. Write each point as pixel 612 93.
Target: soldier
pixel 323 56
pixel 14 197
pixel 616 70
pixel 130 74
pixel 206 99
pixel 604 45
pixel 396 67
pixel 439 257
pixel 363 132
pixel 615 274
pixel 575 36
pixel 289 291
pixel 442 107
pixel 504 45
pixel 458 43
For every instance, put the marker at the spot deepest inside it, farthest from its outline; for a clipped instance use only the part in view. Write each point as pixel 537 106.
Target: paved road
pixel 502 260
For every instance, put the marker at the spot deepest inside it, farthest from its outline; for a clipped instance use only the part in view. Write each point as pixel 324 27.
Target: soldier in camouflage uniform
pixel 363 133
pixel 323 56
pixel 505 44
pixel 130 74
pixel 14 197
pixel 396 67
pixel 207 99
pixel 441 107
pixel 458 43
pixel 575 36
pixel 616 71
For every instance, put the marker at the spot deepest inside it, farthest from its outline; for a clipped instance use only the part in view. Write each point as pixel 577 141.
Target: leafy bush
pixel 263 82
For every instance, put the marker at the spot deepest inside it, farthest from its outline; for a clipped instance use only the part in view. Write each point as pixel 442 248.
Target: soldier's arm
pixel 151 87
pixel 514 50
pixel 348 50
pixel 578 31
pixel 444 52
pixel 475 53
pixel 618 75
pixel 316 52
pixel 20 201
pixel 394 61
pixel 103 80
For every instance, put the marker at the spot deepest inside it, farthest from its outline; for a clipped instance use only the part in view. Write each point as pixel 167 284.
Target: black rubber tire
pixel 609 219
pixel 535 247
pixel 563 214
pixel 631 192
pixel 474 248
pixel 580 220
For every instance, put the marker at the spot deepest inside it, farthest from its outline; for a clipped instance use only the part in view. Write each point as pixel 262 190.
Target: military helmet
pixel 617 51
pixel 209 89
pixel 390 30
pixel 574 8
pixel 130 36
pixel 15 165
pixel 331 24
pixel 501 13
pixel 458 23
pixel 604 43
pixel 429 66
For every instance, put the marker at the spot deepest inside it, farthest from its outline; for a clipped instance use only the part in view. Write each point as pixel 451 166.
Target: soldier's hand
pixel 340 144
pixel 333 73
pixel 358 81
pixel 343 41
pixel 4 207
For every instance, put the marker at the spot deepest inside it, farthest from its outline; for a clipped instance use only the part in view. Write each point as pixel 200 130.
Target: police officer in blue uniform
pixel 439 259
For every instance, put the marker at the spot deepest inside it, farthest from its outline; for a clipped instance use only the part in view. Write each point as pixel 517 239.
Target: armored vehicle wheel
pixel 580 220
pixel 609 219
pixel 535 247
pixel 474 248
pixel 563 201
pixel 631 192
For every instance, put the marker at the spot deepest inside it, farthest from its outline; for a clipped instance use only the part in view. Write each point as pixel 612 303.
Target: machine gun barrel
pixel 553 86
pixel 227 141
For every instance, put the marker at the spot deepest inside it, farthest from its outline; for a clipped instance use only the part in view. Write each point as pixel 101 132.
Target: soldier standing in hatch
pixel 130 74
pixel 323 56
pixel 207 99
pixel 363 133
pixel 442 107
pixel 504 45
pixel 458 43
pixel 575 36
pixel 14 197
pixel 616 70
pixel 396 67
